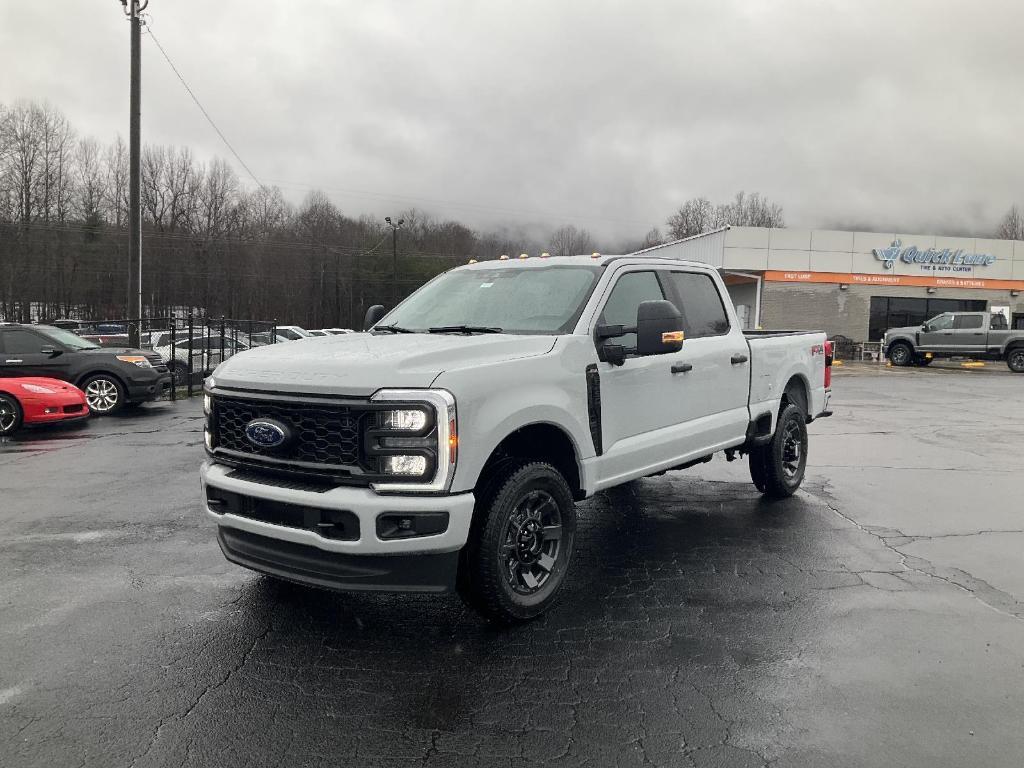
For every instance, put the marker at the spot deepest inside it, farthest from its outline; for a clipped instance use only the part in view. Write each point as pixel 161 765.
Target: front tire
pixel 901 354
pixel 10 415
pixel 104 394
pixel 520 545
pixel 778 468
pixel 1015 359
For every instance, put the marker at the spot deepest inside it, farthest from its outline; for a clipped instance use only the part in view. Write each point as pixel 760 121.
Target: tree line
pixel 216 245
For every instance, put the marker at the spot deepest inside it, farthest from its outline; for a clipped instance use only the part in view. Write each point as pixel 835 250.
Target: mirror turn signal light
pixel 671 337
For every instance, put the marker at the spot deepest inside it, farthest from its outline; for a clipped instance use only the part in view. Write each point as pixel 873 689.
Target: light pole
pixel 394 257
pixel 134 150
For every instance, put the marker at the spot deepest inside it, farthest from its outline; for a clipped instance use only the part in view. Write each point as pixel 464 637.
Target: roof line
pixel 684 239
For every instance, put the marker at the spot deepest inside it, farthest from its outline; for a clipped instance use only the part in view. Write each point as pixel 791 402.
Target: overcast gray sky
pixel 602 114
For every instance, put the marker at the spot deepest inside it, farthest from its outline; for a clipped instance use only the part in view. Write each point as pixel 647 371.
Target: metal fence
pixel 191 345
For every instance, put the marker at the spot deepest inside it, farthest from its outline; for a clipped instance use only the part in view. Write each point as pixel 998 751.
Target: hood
pixel 908 330
pixel 359 364
pixel 115 351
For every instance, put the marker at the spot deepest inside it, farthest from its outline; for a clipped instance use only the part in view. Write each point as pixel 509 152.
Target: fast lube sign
pixel 932 259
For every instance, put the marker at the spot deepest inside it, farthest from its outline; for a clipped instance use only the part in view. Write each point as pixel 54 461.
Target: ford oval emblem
pixel 267 433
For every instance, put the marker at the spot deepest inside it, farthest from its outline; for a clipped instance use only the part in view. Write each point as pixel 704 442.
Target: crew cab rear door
pixel 969 333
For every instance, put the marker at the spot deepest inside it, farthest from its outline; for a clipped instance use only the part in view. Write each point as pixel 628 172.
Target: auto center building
pixel 857 284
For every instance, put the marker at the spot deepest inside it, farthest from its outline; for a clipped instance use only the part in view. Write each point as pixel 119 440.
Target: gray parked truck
pixel 982 335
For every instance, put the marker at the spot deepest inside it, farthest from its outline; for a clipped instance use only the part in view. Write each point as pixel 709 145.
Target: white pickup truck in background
pixel 446 447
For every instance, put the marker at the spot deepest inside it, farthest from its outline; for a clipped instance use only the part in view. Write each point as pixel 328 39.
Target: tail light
pixel 828 364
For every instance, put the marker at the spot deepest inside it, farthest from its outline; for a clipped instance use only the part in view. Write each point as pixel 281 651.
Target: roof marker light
pixel 595 255
pixel 545 255
pixel 503 257
pixel 472 261
pixel 524 255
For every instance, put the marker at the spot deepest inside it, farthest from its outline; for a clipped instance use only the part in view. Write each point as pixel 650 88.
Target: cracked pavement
pixel 875 619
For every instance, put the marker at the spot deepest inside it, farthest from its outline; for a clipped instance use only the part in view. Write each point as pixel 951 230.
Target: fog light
pixel 405 465
pixel 49 410
pixel 405 420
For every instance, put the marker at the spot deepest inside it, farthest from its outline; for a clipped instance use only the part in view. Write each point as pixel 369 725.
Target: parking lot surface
pixel 875 619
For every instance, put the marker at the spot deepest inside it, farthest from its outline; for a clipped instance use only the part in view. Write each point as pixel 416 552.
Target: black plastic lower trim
pixel 594 406
pixel 433 572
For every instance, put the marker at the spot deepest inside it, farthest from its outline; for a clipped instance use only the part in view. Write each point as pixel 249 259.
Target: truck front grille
pixel 320 436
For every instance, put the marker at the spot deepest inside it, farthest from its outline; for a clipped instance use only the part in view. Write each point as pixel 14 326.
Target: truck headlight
pixel 405 420
pixel 415 441
pixel 406 466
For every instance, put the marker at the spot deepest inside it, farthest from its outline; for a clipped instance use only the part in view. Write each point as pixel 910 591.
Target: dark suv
pixel 109 377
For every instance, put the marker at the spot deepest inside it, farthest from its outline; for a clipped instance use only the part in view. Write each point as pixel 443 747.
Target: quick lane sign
pixel 953 260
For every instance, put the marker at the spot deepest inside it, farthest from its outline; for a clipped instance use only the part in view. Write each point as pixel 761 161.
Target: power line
pixel 202 109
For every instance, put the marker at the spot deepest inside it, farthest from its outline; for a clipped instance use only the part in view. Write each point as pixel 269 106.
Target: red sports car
pixel 38 401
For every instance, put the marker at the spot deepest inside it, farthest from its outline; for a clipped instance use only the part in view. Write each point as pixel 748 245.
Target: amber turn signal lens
pixel 670 337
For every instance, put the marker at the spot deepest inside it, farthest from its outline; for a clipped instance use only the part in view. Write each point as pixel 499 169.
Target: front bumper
pixel 62 407
pixel 363 562
pixel 144 389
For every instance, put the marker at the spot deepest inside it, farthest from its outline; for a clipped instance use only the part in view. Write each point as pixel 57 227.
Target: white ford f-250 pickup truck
pixel 445 448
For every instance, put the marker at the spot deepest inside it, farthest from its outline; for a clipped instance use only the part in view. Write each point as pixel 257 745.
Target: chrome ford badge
pixel 266 433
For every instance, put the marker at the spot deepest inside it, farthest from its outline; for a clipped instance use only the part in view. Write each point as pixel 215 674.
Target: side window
pixel 18 342
pixel 941 323
pixel 999 322
pixel 967 322
pixel 700 304
pixel 620 308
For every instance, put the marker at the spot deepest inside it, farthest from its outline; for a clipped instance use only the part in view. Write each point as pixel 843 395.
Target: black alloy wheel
pixel 520 544
pixel 10 415
pixel 901 354
pixel 1015 360
pixel 778 468
pixel 533 538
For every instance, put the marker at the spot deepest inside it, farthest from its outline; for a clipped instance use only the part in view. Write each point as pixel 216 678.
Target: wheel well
pixel 796 392
pixel 539 442
pixel 1012 346
pixel 904 342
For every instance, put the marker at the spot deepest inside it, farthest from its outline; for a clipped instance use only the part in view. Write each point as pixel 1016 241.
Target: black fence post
pixel 223 347
pixel 173 360
pixel 273 332
pixel 188 364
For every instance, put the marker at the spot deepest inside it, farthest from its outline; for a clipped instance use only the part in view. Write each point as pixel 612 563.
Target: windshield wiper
pixel 464 329
pixel 392 329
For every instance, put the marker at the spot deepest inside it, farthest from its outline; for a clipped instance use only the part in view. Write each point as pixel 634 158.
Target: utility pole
pixel 133 9
pixel 394 258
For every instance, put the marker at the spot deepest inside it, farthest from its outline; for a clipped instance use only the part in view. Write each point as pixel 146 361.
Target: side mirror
pixel 924 327
pixel 659 328
pixel 373 316
pixel 51 351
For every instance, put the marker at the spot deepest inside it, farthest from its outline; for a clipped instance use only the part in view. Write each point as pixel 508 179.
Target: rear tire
pixel 520 545
pixel 104 394
pixel 10 415
pixel 1015 359
pixel 901 354
pixel 778 468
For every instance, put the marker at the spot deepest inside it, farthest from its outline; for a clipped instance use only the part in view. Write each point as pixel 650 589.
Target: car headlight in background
pixel 416 441
pixel 37 389
pixel 138 360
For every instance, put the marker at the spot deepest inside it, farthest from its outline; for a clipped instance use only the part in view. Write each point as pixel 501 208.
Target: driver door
pixel 937 335
pixel 641 414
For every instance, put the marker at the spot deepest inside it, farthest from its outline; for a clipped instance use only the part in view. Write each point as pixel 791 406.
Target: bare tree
pixel 570 241
pixel 699 215
pixel 1011 227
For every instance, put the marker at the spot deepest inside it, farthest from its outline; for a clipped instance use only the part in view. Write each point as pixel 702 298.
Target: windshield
pixel 534 300
pixel 68 339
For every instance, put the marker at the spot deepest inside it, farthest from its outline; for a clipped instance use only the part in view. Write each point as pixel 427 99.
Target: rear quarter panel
pixel 776 361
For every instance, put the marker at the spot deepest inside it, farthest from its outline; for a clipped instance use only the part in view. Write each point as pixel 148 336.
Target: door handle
pixel 738 359
pixel 14 361
pixel 681 368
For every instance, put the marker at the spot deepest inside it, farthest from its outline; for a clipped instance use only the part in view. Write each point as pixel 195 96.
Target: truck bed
pixel 776 358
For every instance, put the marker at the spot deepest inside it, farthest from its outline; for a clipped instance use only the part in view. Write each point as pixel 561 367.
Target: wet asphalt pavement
pixel 875 619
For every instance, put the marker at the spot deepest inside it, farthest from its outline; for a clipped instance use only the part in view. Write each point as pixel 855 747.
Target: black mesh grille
pixel 322 434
